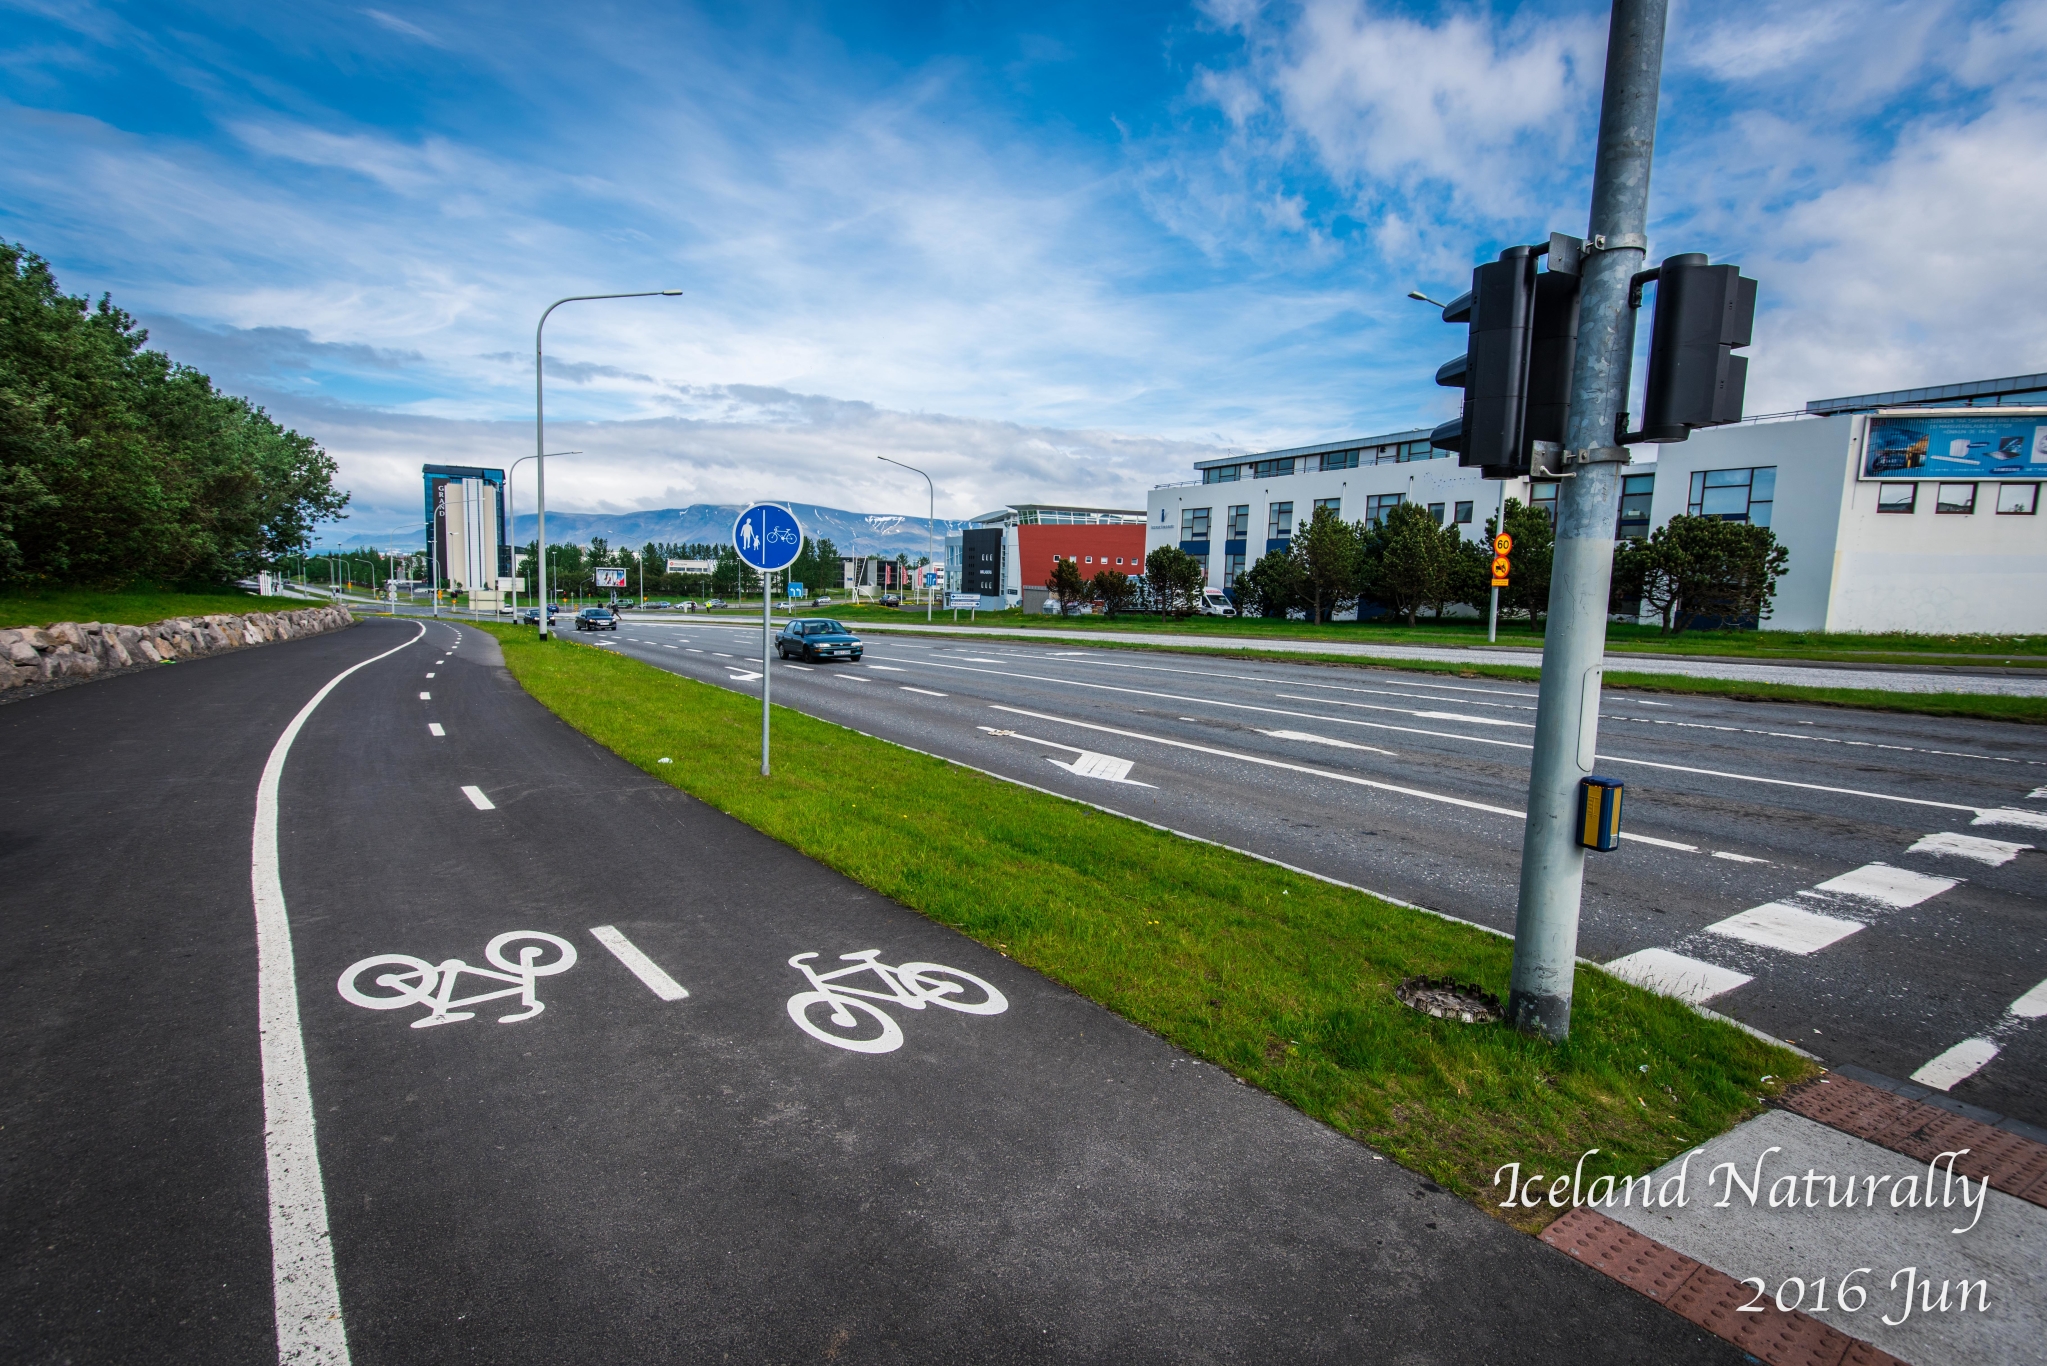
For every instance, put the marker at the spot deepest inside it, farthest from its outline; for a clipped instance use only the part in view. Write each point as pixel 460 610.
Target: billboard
pixel 468 545
pixel 610 578
pixel 692 566
pixel 1964 443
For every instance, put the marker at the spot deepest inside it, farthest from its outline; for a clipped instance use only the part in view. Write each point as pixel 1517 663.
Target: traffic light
pixel 1516 368
pixel 1703 314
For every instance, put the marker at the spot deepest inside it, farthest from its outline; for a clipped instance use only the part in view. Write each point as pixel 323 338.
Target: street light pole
pixel 930 521
pixel 512 520
pixel 540 432
pixel 1574 643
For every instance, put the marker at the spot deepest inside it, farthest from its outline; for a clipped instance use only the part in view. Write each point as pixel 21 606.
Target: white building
pixel 1245 505
pixel 1915 510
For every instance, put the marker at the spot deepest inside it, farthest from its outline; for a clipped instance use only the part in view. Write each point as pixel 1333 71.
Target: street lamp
pixel 512 520
pixel 1417 294
pixel 540 433
pixel 930 520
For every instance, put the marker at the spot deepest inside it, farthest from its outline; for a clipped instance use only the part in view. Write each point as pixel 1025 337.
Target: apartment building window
pixel 1377 505
pixel 1897 497
pixel 1734 495
pixel 1335 506
pixel 1436 513
pixel 1637 492
pixel 1270 469
pixel 1240 522
pixel 1401 452
pixel 1194 524
pixel 1279 521
pixel 1201 560
pixel 1222 474
pixel 1463 514
pixel 1956 498
pixel 2018 500
pixel 1340 460
pixel 1233 569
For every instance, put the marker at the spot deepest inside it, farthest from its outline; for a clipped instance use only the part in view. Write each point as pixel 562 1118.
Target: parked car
pixel 596 619
pixel 817 639
pixel 530 616
pixel 664 606
pixel 1215 603
pixel 714 604
pixel 891 600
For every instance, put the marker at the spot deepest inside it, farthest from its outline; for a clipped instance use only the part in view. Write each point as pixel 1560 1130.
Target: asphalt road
pixel 591 1166
pixel 1412 785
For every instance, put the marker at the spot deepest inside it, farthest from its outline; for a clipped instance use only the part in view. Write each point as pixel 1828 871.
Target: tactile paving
pixel 2015 1165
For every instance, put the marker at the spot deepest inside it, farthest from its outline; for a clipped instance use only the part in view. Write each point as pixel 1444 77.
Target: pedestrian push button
pixel 1599 813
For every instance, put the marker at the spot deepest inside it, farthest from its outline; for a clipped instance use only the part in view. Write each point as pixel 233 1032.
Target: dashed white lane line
pixel 804 668
pixel 1305 738
pixel 1738 858
pixel 478 800
pixel 2038 794
pixel 888 668
pixel 1673 974
pixel 1881 883
pixel 694 652
pixel 1995 853
pixel 671 647
pixel 429 675
pixel 924 691
pixel 1789 929
pixel 434 728
pixel 1958 1064
pixel 2032 1005
pixel 642 967
pixel 720 653
pixel 426 697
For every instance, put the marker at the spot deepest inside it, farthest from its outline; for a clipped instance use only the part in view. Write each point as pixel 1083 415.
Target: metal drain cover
pixel 1448 1000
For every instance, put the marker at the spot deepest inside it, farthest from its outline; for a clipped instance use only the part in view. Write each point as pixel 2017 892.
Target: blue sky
pixel 1046 251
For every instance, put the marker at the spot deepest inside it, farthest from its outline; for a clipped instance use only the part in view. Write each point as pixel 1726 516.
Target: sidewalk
pixel 1943 1207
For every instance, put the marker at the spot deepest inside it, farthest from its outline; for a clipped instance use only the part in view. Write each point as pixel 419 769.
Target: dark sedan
pixel 817 639
pixel 596 619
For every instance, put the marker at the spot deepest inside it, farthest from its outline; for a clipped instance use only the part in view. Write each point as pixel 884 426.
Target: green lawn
pixel 131 606
pixel 1283 980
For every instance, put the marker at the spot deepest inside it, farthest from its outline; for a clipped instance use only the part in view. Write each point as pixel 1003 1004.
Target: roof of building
pixel 1028 514
pixel 1348 443
pixel 1982 391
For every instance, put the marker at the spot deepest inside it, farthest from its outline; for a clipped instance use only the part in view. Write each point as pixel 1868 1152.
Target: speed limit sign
pixel 1503 544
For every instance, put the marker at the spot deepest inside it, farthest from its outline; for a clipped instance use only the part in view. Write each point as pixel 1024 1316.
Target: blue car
pixel 817 639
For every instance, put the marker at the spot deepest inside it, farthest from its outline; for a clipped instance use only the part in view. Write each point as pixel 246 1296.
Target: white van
pixel 1215 603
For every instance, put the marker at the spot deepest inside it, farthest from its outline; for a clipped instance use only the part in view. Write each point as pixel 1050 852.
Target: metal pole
pixel 1574 644
pixel 766 633
pixel 930 521
pixel 540 434
pixel 1492 620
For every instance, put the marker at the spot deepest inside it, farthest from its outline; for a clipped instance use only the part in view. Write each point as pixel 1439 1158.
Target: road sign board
pixel 1501 567
pixel 767 536
pixel 795 590
pixel 962 599
pixel 1503 544
pixel 1500 583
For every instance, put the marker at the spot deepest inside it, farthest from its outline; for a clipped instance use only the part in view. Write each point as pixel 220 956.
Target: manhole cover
pixel 1448 1000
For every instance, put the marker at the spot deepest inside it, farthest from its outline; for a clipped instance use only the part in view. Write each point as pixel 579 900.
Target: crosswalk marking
pixel 477 799
pixel 1996 853
pixel 1776 925
pixel 1673 974
pixel 1881 882
pixel 1958 1064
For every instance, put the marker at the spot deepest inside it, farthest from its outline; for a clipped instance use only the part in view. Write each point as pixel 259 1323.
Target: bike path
pixel 622 1176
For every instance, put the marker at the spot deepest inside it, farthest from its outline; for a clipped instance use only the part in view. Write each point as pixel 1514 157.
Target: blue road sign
pixel 767 536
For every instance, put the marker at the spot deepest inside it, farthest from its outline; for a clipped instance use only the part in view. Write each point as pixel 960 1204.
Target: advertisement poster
pixel 610 578
pixel 1981 443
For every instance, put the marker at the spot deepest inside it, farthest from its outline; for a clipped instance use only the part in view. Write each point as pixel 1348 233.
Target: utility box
pixel 1599 813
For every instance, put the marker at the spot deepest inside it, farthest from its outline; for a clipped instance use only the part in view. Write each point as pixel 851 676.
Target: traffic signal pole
pixel 1574 645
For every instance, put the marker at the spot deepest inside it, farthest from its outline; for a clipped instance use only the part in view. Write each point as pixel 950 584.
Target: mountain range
pixel 852 533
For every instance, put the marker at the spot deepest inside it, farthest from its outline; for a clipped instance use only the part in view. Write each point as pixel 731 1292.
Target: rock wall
pixel 72 650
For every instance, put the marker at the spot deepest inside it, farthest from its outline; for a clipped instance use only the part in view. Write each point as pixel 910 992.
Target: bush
pixel 1702 567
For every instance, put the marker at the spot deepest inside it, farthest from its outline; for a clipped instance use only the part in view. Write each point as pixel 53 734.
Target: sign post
pixel 1503 545
pixel 767 537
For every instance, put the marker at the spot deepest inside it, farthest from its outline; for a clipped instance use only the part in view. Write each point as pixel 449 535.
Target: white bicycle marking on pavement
pixel 420 983
pixel 915 985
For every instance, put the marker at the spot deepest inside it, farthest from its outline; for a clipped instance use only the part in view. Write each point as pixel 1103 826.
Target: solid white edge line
pixel 641 966
pixel 305 1294
pixel 478 800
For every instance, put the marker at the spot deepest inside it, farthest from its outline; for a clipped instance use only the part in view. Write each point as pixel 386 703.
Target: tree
pixel 1113 589
pixel 1065 582
pixel 1534 544
pixel 1325 553
pixel 1274 586
pixel 1415 561
pixel 118 464
pixel 1694 567
pixel 1176 579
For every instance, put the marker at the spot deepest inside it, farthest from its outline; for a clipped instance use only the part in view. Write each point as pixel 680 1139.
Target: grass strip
pixel 131 607
pixel 1284 980
pixel 1975 706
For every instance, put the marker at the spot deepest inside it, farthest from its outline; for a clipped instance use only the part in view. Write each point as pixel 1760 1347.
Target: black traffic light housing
pixel 1703 314
pixel 1516 368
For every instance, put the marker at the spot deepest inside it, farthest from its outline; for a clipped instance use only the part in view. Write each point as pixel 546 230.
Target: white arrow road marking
pixel 304 1291
pixel 1085 762
pixel 477 799
pixel 741 675
pixel 643 967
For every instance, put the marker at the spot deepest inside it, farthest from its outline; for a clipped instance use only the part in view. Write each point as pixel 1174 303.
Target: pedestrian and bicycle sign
pixel 768 537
